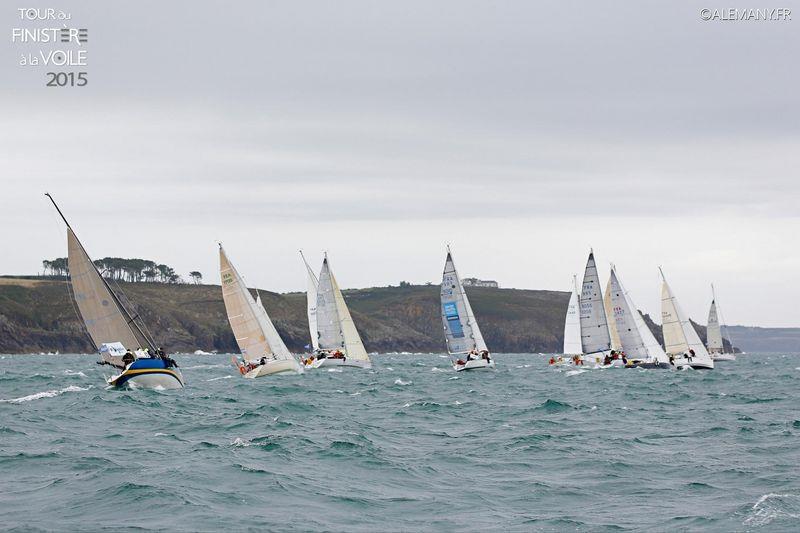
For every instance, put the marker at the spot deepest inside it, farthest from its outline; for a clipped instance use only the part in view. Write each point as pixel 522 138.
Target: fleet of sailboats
pixel 595 326
pixel 461 332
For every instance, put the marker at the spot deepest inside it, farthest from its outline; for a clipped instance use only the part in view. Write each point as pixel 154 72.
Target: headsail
pixel 594 327
pixel 255 334
pixel 353 347
pixel 679 334
pixel 636 339
pixel 572 323
pixel 329 332
pixel 311 304
pixel 714 331
pixel 461 330
pixel 612 324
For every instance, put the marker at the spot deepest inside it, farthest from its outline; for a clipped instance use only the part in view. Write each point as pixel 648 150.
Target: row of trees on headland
pixel 121 269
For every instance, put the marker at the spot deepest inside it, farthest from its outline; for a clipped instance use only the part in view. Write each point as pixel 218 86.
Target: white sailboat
pixel 339 343
pixel 716 348
pixel 681 341
pixel 595 335
pixel 262 348
pixel 572 323
pixel 612 324
pixel 311 304
pixel 461 332
pixel 120 336
pixel 636 340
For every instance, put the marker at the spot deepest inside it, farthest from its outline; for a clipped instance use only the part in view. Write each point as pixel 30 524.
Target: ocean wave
pixel 69 372
pixel 46 394
pixel 399 381
pixel 772 507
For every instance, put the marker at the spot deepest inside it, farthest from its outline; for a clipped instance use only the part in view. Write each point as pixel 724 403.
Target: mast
pixel 131 320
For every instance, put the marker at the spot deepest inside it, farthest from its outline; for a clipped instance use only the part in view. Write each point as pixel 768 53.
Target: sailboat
pixel 716 348
pixel 612 324
pixel 572 323
pixel 680 338
pixel 118 333
pixel 636 340
pixel 312 286
pixel 461 331
pixel 595 335
pixel 262 348
pixel 338 341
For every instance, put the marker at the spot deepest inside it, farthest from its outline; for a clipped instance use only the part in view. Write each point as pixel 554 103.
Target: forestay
pixel 105 321
pixel 594 325
pixel 572 323
pixel 254 332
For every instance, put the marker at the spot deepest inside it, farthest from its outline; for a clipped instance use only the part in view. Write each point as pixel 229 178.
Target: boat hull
pixel 595 358
pixel 474 364
pixel 275 367
pixel 148 374
pixel 723 357
pixel 662 366
pixel 683 364
pixel 331 362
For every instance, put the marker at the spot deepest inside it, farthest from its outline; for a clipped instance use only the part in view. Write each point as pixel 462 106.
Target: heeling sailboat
pixel 572 322
pixel 636 340
pixel 461 332
pixel 612 324
pixel 262 348
pixel 595 336
pixel 680 338
pixel 716 347
pixel 119 335
pixel 339 341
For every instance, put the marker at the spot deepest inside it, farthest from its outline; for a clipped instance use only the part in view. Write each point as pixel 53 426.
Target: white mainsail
pixel 572 323
pixel 714 331
pixel 311 304
pixel 255 334
pixel 612 324
pixel 679 334
pixel 594 324
pixel 636 339
pixel 100 310
pixel 336 327
pixel 461 330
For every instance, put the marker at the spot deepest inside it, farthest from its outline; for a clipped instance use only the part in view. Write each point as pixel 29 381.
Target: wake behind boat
pixel 262 348
pixel 461 331
pixel 118 333
pixel 333 333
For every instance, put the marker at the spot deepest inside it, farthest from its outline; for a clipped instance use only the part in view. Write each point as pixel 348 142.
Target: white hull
pixel 275 367
pixel 683 364
pixel 153 379
pixel 595 358
pixel 723 357
pixel 474 364
pixel 330 362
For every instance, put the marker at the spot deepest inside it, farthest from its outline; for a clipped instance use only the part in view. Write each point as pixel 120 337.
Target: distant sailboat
pixel 595 335
pixel 461 331
pixel 636 340
pixel 311 304
pixel 680 338
pixel 339 343
pixel 572 324
pixel 119 334
pixel 716 348
pixel 262 348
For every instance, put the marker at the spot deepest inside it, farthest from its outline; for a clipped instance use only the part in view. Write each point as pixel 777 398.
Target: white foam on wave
pixel 219 377
pixel 69 372
pixel 575 372
pixel 453 377
pixel 407 405
pixel 437 369
pixel 239 442
pixel 390 369
pixel 399 381
pixel 334 370
pixel 46 394
pixel 770 507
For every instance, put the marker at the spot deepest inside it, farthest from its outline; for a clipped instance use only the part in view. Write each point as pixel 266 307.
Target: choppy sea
pixel 407 446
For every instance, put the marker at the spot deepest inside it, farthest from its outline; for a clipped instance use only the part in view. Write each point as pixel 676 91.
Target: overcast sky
pixel 523 133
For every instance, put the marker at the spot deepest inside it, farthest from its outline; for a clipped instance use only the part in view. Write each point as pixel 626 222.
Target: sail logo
pixel 450 311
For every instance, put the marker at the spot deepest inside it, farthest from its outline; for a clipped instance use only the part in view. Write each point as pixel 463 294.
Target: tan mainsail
pixel 353 347
pixel 616 344
pixel 242 313
pixel 100 312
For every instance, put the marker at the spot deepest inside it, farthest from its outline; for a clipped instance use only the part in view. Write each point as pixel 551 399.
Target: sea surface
pixel 407 446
